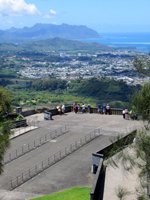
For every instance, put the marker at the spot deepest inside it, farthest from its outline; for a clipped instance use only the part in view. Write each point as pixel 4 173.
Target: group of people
pixel 82 108
pixel 102 109
pixel 61 109
pixel 129 114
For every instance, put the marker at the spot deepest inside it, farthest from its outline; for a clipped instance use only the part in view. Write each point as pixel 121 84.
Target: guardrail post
pixel 71 148
pixel 17 180
pixel 16 153
pixel 48 161
pixel 22 177
pixel 11 184
pixel 29 173
pixel 42 165
pixel 80 141
pixel 9 156
pixel 45 138
pixel 76 144
pixel 28 147
pixel 22 150
pixel 35 169
pixel 40 141
pixel 65 151
pixel 60 154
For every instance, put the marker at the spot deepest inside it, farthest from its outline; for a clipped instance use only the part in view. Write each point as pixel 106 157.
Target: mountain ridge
pixel 52 44
pixel 65 44
pixel 46 31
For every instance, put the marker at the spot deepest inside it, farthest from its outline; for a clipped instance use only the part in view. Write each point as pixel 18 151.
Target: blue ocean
pixel 137 41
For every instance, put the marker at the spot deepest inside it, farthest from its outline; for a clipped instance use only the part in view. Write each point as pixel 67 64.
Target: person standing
pixel 123 113
pixel 99 108
pixel 104 109
pixel 63 109
pixel 126 114
pixel 108 109
pixel 89 108
pixel 83 108
pixel 75 108
pixel 59 110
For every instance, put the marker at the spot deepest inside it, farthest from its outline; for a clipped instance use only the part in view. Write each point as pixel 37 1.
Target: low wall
pixel 114 111
pixel 16 119
pixel 98 184
pixel 53 111
pixel 117 146
pixel 99 181
pixel 20 123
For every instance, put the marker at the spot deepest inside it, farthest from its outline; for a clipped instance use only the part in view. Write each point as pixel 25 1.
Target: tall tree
pixel 141 102
pixel 5 107
pixel 142 65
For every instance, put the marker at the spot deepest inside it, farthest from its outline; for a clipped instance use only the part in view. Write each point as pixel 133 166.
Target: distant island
pixel 47 31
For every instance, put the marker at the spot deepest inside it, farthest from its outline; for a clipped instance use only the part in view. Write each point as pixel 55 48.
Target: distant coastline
pixel 137 41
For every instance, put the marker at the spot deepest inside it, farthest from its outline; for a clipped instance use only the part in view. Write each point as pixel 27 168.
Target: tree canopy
pixel 104 89
pixel 5 107
pixel 141 102
pixel 142 65
pixel 5 102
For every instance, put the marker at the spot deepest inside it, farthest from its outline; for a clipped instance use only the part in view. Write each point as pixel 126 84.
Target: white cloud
pixel 17 7
pixel 52 13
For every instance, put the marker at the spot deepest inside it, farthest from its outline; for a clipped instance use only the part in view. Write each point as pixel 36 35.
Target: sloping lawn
pixel 77 193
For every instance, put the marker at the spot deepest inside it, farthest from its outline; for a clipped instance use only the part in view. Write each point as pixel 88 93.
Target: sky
pixel 104 16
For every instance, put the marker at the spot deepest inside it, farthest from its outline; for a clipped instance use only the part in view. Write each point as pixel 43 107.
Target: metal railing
pixel 51 160
pixel 35 144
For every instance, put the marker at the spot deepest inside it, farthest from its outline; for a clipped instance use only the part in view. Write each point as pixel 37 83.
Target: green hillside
pixel 77 193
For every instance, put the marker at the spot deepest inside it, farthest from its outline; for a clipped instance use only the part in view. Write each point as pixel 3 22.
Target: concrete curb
pixel 22 131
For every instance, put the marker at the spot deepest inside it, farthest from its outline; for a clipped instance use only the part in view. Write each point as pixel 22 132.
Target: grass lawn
pixel 77 193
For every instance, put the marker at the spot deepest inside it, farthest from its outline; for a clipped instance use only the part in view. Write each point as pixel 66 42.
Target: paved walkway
pixel 75 169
